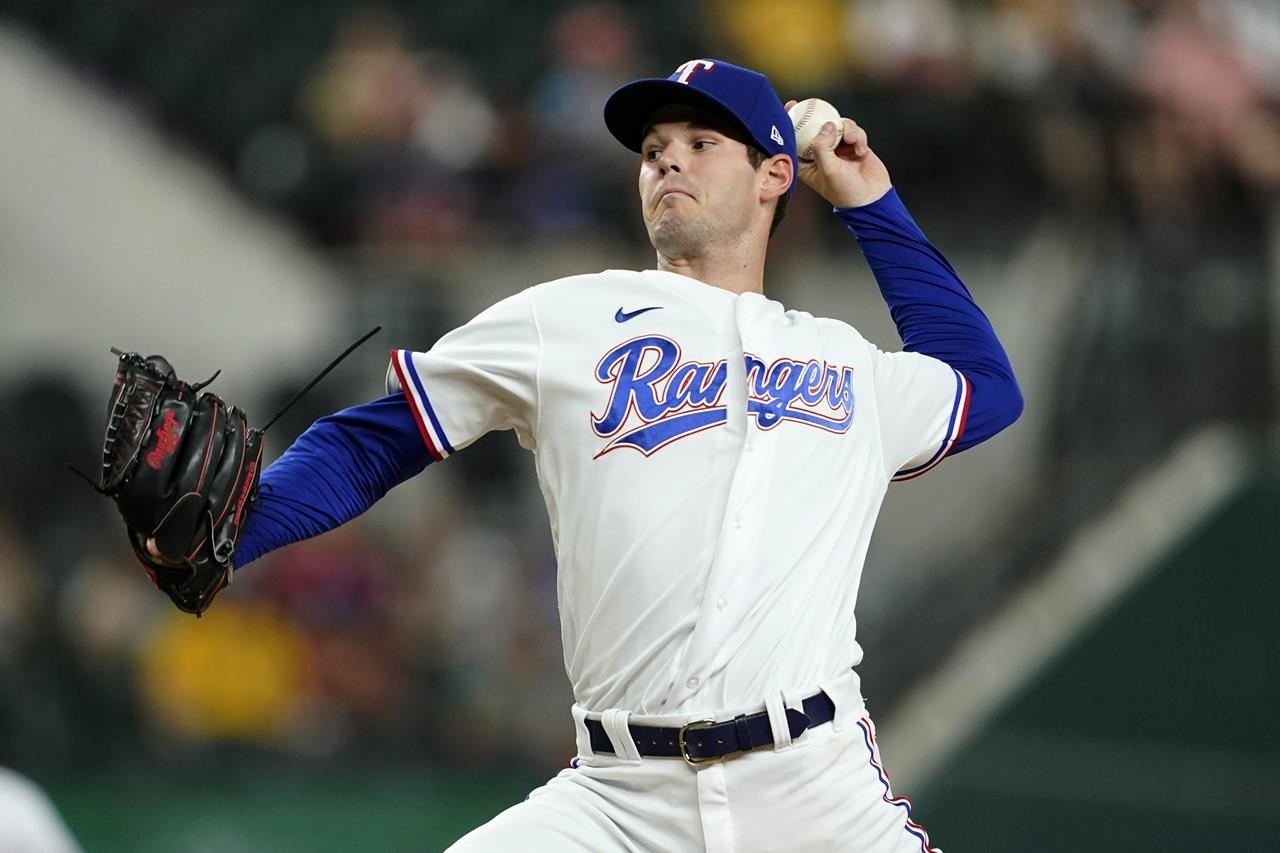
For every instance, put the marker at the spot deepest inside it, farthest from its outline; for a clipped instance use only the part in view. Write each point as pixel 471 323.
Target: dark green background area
pixel 1154 731
pixel 328 811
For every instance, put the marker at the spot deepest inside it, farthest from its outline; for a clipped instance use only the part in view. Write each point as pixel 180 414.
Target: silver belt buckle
pixel 695 725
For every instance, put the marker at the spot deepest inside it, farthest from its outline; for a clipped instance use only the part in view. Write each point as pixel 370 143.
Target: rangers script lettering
pixel 673 399
pixel 774 392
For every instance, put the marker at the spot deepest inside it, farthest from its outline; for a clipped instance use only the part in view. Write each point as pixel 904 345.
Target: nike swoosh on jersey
pixel 624 316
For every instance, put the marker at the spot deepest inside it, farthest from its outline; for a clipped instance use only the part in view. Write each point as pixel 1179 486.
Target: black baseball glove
pixel 182 467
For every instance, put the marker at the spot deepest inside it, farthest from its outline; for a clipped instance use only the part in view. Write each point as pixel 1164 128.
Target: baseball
pixel 808 117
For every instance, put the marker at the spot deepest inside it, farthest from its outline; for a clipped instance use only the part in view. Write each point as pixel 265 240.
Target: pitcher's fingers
pixel 826 142
pixel 855 137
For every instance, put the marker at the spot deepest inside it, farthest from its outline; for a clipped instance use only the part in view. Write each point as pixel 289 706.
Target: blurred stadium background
pixel 1070 633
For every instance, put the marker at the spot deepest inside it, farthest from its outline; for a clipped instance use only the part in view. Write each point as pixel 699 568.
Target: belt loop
pixel 580 730
pixel 615 722
pixel 776 707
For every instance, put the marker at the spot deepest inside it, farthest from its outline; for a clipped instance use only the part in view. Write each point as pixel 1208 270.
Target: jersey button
pixel 692 682
pixel 721 603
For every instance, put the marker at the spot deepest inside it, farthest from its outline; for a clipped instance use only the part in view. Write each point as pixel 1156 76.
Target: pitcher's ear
pixel 779 173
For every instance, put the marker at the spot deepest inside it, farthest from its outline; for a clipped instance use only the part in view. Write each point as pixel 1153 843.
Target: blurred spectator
pixel 575 176
pixel 1207 95
pixel 490 612
pixel 1065 63
pixel 107 612
pixel 404 130
pixel 25 596
pixel 916 45
pixel 370 91
pixel 339 590
pixel 20 592
pixel 799 43
pixel 237 674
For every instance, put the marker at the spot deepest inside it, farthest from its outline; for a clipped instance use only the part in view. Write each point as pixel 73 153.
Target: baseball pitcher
pixel 712 463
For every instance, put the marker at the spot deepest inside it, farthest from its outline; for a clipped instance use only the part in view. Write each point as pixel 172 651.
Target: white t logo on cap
pixel 686 70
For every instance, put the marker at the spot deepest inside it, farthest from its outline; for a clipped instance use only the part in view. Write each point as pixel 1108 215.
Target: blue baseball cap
pixel 742 96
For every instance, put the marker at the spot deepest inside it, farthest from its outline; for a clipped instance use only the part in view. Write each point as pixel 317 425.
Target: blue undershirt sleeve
pixel 342 465
pixel 935 314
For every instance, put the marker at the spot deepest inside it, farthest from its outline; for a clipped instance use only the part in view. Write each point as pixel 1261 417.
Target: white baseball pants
pixel 825 792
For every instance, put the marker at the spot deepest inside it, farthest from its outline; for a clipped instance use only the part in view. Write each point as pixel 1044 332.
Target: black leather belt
pixel 707 741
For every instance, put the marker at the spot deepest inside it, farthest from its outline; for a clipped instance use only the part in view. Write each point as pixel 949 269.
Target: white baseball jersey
pixel 712 465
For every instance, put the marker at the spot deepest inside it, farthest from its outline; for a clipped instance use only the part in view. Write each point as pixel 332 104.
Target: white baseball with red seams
pixel 808 117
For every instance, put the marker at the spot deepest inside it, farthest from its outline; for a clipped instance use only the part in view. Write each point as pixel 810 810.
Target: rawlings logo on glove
pixel 166 441
pixel 182 467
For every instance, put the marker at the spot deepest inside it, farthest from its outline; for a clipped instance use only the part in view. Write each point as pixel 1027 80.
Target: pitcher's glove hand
pixel 182 467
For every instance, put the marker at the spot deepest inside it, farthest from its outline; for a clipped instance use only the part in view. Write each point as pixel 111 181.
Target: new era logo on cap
pixel 740 95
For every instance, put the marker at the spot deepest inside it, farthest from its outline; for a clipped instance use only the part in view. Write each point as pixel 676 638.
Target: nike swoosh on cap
pixel 624 316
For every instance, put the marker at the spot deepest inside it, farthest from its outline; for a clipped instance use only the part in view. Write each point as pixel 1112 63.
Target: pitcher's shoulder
pixel 571 284
pixel 840 330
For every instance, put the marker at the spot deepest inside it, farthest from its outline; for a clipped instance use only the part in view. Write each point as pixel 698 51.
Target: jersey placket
pixel 722 605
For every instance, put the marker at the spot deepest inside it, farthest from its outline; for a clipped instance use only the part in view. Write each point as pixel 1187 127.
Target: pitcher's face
pixel 697 184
